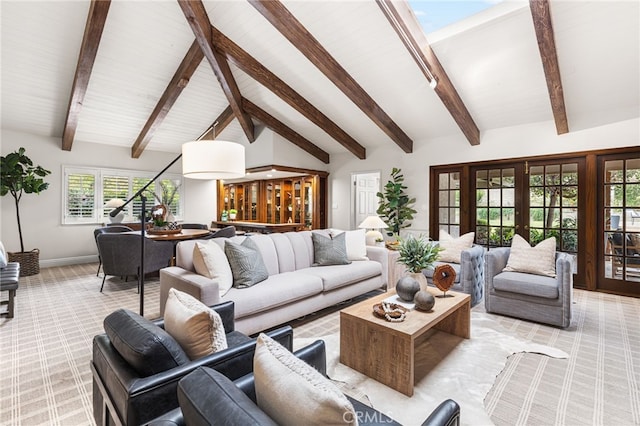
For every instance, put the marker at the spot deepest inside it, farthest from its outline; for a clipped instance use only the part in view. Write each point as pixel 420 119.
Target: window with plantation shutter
pixel 87 190
pixel 80 196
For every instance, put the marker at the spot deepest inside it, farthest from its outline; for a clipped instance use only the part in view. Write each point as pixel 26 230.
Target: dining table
pixel 184 234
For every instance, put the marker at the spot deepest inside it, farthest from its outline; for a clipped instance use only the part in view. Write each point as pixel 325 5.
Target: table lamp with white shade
pixel 373 224
pixel 112 204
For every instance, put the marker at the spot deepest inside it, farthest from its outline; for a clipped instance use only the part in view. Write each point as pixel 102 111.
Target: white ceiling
pixel 492 58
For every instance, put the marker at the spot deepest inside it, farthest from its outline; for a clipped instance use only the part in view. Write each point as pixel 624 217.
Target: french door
pixel 619 223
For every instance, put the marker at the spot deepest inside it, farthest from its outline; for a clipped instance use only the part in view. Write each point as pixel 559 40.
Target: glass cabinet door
pixel 307 200
pixel 270 203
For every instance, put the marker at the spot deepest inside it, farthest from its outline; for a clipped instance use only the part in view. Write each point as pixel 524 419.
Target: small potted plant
pixel 379 242
pixel 417 254
pixel 232 214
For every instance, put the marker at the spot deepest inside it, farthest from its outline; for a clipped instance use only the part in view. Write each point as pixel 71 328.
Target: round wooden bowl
pixel 378 310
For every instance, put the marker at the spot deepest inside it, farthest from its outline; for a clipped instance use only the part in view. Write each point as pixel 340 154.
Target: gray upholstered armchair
pixel 532 297
pixel 120 254
pixel 469 273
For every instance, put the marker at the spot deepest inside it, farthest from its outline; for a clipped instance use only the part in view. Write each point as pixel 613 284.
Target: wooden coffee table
pixel 384 350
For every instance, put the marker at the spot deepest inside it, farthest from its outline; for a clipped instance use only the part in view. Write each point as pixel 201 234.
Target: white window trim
pixel 99 173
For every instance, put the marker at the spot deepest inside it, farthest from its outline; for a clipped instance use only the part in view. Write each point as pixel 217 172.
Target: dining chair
pixel 121 255
pixel 114 229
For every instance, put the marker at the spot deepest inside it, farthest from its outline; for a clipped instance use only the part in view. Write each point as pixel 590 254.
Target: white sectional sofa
pixel 294 287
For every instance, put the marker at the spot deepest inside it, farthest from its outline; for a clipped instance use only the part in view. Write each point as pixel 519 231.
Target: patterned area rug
pixel 45 352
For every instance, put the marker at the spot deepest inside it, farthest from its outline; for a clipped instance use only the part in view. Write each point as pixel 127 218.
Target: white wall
pixel 60 244
pixel 510 142
pixel 41 214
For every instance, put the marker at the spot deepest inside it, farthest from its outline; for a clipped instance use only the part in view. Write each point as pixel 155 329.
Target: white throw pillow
pixel 539 260
pixel 210 261
pixel 292 392
pixel 356 242
pixel 453 247
pixel 196 327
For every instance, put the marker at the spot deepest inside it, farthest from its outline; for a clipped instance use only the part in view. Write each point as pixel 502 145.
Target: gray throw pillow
pixel 329 250
pixel 246 263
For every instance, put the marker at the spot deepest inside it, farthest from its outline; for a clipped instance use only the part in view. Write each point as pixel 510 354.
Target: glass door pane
pixel 495 206
pixel 621 225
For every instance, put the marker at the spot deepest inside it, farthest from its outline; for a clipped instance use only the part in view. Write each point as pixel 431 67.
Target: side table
pixel 395 269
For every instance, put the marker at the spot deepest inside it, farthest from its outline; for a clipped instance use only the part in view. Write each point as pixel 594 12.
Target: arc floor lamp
pixel 205 160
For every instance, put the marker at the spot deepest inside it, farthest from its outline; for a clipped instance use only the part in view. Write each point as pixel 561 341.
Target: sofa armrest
pixel 381 255
pixel 445 414
pixel 202 288
pixel 564 276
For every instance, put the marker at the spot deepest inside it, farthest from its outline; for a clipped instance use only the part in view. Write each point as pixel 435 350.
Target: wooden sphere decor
pixel 443 277
pixel 424 301
pixel 407 287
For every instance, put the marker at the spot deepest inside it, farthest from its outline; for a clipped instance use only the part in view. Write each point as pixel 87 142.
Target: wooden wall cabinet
pixel 298 200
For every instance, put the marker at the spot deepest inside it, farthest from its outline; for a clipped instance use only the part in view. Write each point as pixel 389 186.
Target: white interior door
pixel 366 186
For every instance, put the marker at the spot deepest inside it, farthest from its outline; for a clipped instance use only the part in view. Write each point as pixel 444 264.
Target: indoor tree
pixel 396 207
pixel 18 177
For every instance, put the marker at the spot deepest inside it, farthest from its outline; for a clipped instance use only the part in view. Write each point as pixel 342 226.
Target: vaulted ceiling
pixel 329 76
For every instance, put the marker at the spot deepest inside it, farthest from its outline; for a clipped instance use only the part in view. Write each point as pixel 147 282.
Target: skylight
pixel 436 14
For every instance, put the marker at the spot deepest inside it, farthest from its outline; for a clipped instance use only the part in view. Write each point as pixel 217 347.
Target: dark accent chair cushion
pixel 209 398
pixel 145 346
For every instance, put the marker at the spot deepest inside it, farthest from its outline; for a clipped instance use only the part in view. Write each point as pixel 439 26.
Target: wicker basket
pixel 29 262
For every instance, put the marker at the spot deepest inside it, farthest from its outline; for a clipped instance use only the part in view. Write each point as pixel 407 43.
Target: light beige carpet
pixel 446 366
pixel 45 352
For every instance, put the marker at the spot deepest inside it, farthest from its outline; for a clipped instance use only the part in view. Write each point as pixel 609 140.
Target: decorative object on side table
pixel 232 214
pixel 418 253
pixel 424 301
pixel 392 312
pixel 443 278
pixel 19 176
pixel 373 224
pixel 407 287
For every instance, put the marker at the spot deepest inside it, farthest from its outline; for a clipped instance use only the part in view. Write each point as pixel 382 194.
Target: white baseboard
pixel 65 261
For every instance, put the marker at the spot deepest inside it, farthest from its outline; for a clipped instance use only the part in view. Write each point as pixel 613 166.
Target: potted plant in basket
pixel 18 177
pixel 395 207
pixel 417 254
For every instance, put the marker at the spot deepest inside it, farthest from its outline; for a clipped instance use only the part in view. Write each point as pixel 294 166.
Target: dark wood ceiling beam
pixel 219 124
pixel 89 49
pixel 262 75
pixel 547 45
pixel 200 24
pixel 285 131
pixel 292 29
pixel 403 21
pixel 180 79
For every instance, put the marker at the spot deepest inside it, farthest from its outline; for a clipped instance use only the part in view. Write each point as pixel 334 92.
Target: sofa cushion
pixel 356 243
pixel 196 327
pixel 329 250
pixel 207 397
pixel 453 247
pixel 246 263
pixel 147 348
pixel 292 392
pixel 539 260
pixel 529 284
pixel 456 267
pixel 210 261
pixel 277 290
pixel 337 276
